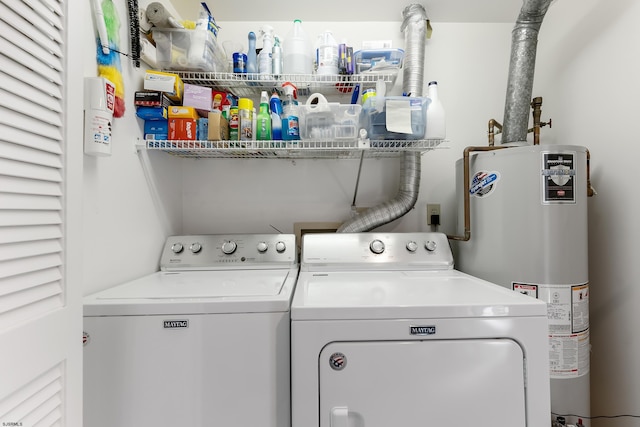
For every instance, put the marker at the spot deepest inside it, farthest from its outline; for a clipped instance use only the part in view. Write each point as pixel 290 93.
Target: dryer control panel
pixel 213 252
pixel 371 251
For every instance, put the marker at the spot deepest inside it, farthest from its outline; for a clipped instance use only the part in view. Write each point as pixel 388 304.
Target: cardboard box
pixel 182 112
pixel 151 98
pixel 169 83
pixel 218 127
pixel 182 129
pixel 203 129
pixel 198 97
pixel 156 129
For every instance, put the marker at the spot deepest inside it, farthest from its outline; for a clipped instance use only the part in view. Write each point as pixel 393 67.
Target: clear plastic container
pixel 371 60
pixel 329 120
pixel 397 117
pixel 188 50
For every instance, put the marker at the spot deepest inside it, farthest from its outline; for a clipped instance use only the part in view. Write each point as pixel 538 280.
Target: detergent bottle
pixel 297 50
pixel 276 113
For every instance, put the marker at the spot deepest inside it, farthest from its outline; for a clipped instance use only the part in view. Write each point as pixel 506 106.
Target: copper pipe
pixel 493 124
pixel 590 191
pixel 467 188
pixel 536 104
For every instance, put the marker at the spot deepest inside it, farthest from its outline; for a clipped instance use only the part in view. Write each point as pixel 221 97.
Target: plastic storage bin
pixel 372 60
pixel 328 120
pixel 188 50
pixel 397 117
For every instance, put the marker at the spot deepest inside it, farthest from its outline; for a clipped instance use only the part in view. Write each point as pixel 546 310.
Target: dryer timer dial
pixel 281 247
pixel 377 246
pixel 229 247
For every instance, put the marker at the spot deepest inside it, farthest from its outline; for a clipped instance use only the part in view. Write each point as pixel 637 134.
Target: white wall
pixel 131 202
pixel 587 72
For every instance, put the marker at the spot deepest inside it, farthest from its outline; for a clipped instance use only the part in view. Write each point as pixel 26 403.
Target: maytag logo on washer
pixel 176 324
pixel 422 330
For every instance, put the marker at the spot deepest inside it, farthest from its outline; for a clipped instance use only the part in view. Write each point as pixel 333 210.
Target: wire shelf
pixel 248 85
pixel 289 149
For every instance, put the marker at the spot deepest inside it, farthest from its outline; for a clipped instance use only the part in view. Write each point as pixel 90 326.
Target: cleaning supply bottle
pixel 263 121
pixel 245 119
pixel 327 54
pixel 298 58
pixel 252 59
pixel 276 57
pixel 290 122
pixel 265 64
pixel 276 112
pixel 436 123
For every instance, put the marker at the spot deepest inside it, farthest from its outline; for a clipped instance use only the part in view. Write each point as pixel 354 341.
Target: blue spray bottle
pixel 252 58
pixel 290 123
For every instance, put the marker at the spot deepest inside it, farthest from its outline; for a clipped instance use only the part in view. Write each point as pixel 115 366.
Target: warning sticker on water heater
pixel 568 316
pixel 558 178
pixel 569 355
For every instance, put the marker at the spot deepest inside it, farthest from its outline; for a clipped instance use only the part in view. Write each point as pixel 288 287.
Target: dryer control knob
pixel 430 245
pixel 262 247
pixel 281 247
pixel 195 247
pixel 412 246
pixel 177 248
pixel 229 247
pixel 377 247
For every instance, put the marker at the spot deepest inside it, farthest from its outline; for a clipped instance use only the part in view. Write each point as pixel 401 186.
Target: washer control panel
pixel 212 251
pixel 383 251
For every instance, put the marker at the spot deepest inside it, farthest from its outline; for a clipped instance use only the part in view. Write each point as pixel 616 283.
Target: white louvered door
pixel 40 308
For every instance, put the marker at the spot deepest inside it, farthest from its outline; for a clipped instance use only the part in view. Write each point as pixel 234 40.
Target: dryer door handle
pixel 340 416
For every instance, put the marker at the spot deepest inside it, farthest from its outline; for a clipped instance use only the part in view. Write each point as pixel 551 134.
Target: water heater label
pixel 568 316
pixel 558 178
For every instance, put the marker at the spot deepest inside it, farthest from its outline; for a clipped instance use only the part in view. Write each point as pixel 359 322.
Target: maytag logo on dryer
pixel 422 330
pixel 176 324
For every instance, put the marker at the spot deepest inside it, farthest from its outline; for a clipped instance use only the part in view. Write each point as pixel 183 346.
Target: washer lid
pixel 408 294
pixel 197 292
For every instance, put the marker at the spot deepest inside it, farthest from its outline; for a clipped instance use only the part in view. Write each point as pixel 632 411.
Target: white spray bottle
pixel 265 64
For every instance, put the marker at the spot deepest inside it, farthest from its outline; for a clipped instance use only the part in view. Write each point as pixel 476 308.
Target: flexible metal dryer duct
pixel 414 27
pixel 524 41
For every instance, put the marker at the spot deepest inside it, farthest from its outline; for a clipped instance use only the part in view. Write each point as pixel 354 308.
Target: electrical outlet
pixel 433 209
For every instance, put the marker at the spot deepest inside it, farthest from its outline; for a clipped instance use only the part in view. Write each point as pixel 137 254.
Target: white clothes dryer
pixel 385 332
pixel 203 342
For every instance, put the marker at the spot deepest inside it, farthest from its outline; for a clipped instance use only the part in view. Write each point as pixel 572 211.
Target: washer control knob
pixel 281 247
pixel 229 247
pixel 412 246
pixel 377 247
pixel 430 245
pixel 262 247
pixel 177 248
pixel 195 247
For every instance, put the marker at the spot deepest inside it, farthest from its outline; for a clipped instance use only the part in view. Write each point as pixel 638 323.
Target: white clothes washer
pixel 203 342
pixel 385 332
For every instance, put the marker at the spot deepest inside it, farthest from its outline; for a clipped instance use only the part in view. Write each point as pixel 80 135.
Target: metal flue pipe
pixel 414 27
pixel 524 42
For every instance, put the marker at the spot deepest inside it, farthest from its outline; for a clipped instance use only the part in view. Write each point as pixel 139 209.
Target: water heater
pixel 528 232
